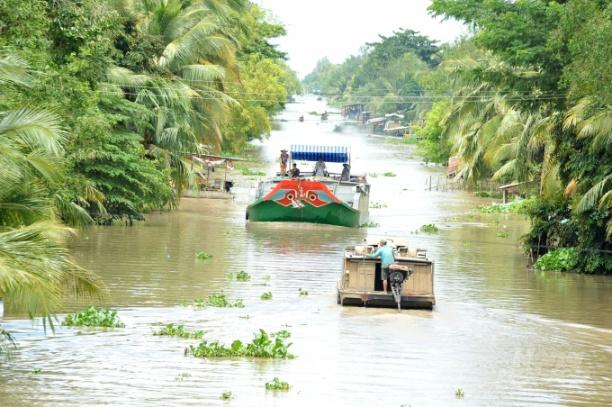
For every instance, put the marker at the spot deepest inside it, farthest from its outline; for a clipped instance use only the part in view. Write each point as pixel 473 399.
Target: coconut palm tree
pixel 186 90
pixel 36 270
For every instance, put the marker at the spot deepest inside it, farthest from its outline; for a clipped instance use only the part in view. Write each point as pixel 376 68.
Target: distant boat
pixel 326 199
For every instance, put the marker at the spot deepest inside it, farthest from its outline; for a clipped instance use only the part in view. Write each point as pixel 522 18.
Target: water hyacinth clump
pixel 277 385
pixel 241 276
pixel 226 395
pixel 263 345
pixel 249 172
pixel 218 300
pixel 389 174
pixel 369 225
pixel 94 317
pixel 519 206
pixel 562 259
pixel 179 331
pixel 302 292
pixel 429 228
pixel 202 255
pixel 266 296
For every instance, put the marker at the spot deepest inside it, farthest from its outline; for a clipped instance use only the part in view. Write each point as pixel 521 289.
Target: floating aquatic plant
pixel 562 259
pixel 389 174
pixel 241 276
pixel 249 172
pixel 302 292
pixel 520 206
pixel 369 225
pixel 503 234
pixel 459 394
pixel 202 255
pixel 277 385
pixel 226 395
pixel 266 296
pixel 179 331
pixel 94 317
pixel 263 345
pixel 429 228
pixel 218 300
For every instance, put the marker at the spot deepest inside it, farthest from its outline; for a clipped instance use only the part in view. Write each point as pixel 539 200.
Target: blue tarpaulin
pixel 332 154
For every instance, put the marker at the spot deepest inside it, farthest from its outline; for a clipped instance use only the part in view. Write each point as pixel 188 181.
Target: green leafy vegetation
pixel 100 103
pixel 369 225
pixel 488 194
pixel 562 259
pixel 503 234
pixel 226 395
pixel 263 345
pixel 249 172
pixel 241 276
pixel 218 300
pixel 179 331
pixel 94 317
pixel 277 385
pixel 266 296
pixel 202 255
pixel 519 206
pixel 389 174
pixel 429 228
pixel 523 100
pixel 302 292
pixel 459 394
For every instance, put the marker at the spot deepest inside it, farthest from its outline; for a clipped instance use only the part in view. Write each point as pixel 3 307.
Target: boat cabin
pixel 410 279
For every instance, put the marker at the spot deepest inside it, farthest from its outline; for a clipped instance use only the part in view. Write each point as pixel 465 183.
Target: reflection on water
pixel 505 335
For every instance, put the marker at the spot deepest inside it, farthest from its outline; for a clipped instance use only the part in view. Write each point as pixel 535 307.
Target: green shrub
pixel 266 296
pixel 94 317
pixel 263 345
pixel 277 385
pixel 563 259
pixel 180 331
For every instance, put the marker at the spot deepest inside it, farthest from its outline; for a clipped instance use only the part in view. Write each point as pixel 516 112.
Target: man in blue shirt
pixel 385 252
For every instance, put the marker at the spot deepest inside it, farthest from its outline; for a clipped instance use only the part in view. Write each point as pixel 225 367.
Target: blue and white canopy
pixel 332 154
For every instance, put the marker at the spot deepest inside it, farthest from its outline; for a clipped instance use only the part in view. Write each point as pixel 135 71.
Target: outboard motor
pixel 398 274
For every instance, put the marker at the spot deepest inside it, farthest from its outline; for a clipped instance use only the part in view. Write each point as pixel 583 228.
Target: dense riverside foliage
pixel 527 98
pixel 100 102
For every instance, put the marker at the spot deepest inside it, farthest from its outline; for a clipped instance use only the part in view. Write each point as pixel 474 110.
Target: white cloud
pixel 338 28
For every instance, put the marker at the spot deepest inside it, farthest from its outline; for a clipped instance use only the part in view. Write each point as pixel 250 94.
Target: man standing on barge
pixel 385 252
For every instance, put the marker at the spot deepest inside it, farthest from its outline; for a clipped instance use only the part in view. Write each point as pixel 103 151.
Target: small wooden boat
pixel 410 278
pixel 328 199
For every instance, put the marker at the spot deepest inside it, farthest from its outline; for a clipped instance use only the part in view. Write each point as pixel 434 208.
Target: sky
pixel 339 28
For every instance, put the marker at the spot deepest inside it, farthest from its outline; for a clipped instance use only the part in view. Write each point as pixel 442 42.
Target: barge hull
pixel 380 299
pixel 338 214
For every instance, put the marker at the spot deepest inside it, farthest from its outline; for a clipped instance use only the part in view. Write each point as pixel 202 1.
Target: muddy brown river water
pixel 505 335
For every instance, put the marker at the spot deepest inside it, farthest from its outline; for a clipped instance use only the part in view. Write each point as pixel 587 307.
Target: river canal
pixel 503 334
